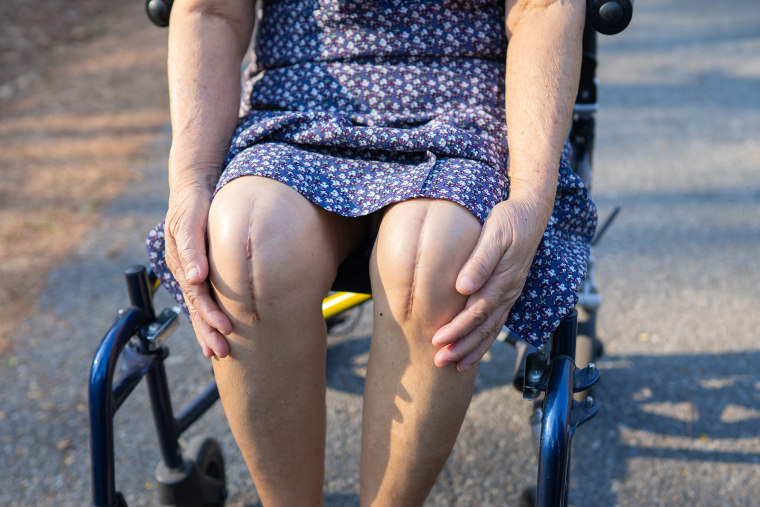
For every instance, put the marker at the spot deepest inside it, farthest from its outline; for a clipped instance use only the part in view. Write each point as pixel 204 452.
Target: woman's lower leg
pixel 272 261
pixel 412 409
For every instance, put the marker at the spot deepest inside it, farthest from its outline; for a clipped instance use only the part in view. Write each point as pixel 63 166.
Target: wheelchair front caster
pixel 200 481
pixel 120 501
pixel 528 497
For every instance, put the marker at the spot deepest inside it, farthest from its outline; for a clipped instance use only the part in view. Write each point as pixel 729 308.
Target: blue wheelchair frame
pixel 195 475
pixel 136 337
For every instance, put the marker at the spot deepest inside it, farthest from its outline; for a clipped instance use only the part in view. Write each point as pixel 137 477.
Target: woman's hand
pixel 185 233
pixel 493 278
pixel 207 42
pixel 543 64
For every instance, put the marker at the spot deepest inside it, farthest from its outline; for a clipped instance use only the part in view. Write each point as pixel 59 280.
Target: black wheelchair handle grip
pixel 609 16
pixel 158 11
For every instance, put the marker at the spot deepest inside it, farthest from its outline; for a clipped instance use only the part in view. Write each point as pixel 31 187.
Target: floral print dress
pixel 358 104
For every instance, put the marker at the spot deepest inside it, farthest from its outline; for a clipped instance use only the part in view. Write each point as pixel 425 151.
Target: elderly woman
pixel 375 126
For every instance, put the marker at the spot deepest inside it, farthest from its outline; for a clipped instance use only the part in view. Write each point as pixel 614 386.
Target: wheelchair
pixel 194 474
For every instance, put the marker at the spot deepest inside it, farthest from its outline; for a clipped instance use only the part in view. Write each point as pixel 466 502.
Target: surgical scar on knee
pixel 249 258
pixel 415 272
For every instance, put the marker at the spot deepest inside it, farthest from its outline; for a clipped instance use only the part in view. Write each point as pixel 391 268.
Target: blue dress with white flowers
pixel 358 104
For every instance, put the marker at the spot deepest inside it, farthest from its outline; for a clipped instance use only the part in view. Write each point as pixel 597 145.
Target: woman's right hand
pixel 186 257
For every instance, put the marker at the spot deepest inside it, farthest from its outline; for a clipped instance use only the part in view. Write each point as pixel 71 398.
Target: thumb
pixel 495 239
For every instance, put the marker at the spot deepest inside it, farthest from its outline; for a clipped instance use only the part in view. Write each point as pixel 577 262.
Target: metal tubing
pixel 138 288
pixel 554 449
pixel 125 386
pixel 102 405
pixel 197 407
pixel 137 364
pixel 587 89
pixel 163 416
pixel 341 301
pixel 563 339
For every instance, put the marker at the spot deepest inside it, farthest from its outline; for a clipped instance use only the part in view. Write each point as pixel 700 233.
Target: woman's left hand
pixel 493 277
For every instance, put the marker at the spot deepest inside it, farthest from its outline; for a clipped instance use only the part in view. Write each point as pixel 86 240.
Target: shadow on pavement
pixel 700 409
pixel 690 412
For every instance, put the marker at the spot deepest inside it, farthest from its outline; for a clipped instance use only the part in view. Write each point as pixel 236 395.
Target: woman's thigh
pixel 268 242
pixel 421 246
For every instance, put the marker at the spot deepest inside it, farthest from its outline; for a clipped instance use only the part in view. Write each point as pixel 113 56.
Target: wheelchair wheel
pixel 528 498
pixel 206 454
pixel 201 482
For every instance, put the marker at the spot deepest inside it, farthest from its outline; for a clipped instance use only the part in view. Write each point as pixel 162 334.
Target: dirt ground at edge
pixel 82 100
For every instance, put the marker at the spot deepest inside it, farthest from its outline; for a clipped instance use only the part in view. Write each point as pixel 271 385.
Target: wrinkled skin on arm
pixel 207 41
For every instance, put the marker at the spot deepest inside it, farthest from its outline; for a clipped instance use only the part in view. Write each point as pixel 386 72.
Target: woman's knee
pixel 267 247
pixel 421 247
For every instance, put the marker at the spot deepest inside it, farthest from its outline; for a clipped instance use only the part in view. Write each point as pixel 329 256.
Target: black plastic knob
pixel 609 16
pixel 159 11
pixel 611 13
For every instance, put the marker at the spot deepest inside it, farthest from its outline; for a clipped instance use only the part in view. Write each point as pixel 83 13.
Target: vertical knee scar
pixel 249 258
pixel 416 266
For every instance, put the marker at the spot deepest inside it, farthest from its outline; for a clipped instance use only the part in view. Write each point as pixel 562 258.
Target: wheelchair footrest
pixel 585 378
pixel 536 374
pixel 582 412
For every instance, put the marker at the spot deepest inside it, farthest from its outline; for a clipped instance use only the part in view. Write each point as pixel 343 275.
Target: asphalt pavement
pixel 678 148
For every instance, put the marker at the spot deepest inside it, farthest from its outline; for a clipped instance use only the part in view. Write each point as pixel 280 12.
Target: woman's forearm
pixel 543 65
pixel 207 41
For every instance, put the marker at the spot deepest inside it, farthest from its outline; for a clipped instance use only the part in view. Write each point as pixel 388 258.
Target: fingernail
pixel 193 272
pixel 465 283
